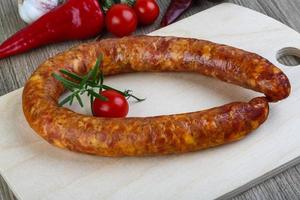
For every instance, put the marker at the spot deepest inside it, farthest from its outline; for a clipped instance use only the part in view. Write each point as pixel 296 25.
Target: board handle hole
pixel 289 56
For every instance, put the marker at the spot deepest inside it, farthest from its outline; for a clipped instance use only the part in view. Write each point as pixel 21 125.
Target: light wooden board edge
pixel 260 179
pixel 247 186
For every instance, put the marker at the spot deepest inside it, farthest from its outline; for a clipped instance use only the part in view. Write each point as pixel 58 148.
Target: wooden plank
pixel 14 72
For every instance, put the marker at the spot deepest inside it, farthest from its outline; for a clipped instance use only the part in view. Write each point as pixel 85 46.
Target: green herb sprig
pixel 106 4
pixel 93 80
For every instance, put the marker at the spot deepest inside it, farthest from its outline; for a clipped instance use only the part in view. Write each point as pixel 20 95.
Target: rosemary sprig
pixel 79 85
pixel 127 93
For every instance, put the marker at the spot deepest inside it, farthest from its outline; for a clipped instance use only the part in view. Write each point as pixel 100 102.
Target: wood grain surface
pixel 283 183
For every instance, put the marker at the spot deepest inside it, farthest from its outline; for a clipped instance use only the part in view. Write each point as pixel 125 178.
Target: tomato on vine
pixel 116 105
pixel 147 11
pixel 107 102
pixel 121 20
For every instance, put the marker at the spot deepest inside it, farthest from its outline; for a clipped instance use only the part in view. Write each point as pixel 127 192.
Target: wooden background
pixel 281 184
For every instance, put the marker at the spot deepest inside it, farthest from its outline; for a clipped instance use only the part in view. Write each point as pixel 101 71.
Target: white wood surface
pixel 36 170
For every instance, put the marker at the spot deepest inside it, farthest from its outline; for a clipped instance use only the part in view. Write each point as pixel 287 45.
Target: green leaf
pixel 106 87
pixel 71 75
pixel 128 94
pixel 106 4
pixel 69 84
pixel 95 72
pixel 92 74
pixel 82 92
pixel 72 99
pixel 98 96
pixel 91 104
pixel 101 77
pixel 79 100
pixel 129 2
pixel 85 79
pixel 66 100
pixel 97 69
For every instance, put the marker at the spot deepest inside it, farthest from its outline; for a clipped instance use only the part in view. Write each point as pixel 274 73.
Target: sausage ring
pixel 161 134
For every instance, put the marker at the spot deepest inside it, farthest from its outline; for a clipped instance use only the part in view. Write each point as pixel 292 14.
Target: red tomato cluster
pixel 122 19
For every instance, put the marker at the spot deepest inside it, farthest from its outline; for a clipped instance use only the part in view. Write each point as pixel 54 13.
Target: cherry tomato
pixel 147 11
pixel 116 106
pixel 121 20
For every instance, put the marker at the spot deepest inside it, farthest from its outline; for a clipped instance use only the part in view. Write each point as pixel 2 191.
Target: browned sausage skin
pixel 152 135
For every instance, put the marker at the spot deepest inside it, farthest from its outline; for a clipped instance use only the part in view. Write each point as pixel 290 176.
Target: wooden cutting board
pixel 36 170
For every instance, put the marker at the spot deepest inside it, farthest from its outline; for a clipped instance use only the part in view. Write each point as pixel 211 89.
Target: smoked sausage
pixel 157 135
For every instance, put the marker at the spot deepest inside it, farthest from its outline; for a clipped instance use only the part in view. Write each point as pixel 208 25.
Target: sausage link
pixel 226 63
pixel 152 135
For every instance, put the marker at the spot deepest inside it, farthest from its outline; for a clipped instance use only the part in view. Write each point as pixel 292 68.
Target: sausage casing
pixel 161 134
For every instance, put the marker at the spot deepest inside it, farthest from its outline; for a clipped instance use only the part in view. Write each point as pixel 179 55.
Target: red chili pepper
pixel 175 9
pixel 73 20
